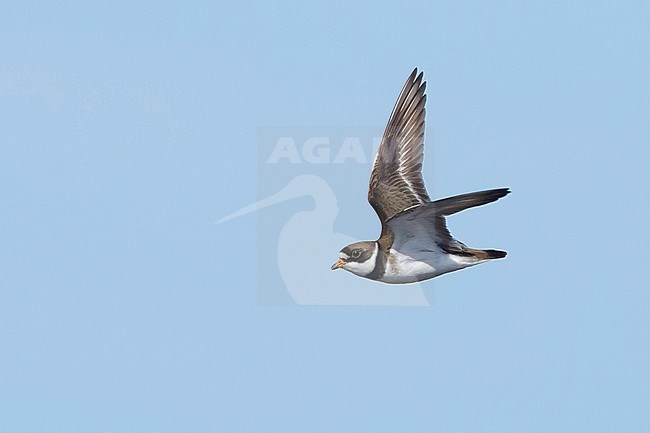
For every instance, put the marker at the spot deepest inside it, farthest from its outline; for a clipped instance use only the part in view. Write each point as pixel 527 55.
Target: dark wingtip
pixel 496 194
pixel 416 77
pixel 495 254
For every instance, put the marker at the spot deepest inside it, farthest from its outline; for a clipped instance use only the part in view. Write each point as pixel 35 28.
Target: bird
pixel 415 243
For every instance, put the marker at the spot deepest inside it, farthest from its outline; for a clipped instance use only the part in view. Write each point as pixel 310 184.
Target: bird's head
pixel 358 258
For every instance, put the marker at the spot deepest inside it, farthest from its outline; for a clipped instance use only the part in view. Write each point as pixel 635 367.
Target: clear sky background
pixel 128 128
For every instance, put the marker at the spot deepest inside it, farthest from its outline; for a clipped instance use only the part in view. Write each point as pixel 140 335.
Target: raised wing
pixel 396 180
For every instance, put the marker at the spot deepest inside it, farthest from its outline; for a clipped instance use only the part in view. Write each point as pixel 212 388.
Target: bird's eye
pixel 356 254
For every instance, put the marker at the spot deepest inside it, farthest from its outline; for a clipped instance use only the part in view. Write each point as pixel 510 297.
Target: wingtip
pixel 500 192
pixel 496 193
pixel 416 76
pixel 419 80
pixel 495 254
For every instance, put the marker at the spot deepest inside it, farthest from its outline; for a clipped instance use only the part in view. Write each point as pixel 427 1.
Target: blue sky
pixel 129 129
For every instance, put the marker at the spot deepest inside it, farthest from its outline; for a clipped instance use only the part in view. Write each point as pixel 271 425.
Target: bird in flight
pixel 414 244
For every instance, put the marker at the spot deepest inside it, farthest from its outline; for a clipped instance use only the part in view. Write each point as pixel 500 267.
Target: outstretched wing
pixel 423 226
pixel 396 180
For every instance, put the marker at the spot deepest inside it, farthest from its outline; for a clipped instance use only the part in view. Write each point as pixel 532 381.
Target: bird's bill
pixel 339 264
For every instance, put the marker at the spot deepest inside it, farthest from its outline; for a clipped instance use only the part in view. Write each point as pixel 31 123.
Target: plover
pixel 415 243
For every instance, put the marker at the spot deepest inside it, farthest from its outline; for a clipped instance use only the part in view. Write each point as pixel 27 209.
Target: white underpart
pixel 409 267
pixel 361 268
pixel 415 256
